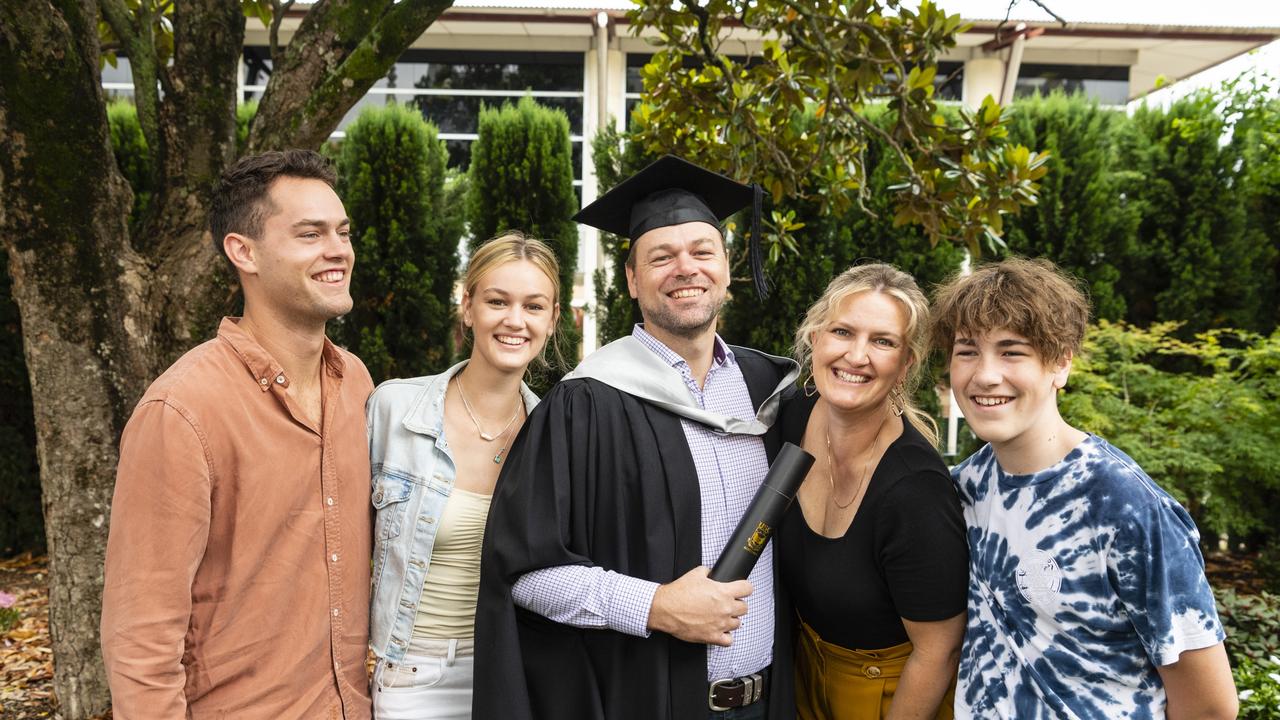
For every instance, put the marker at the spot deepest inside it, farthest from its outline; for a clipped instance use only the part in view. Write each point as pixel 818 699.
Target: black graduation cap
pixel 672 191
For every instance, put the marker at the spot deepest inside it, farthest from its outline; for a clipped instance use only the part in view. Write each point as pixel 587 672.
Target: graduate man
pixel 624 486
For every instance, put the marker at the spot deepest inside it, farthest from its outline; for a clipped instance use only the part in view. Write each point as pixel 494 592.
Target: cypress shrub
pixel 1256 141
pixel 1193 260
pixel 521 178
pixel 391 172
pixel 1083 221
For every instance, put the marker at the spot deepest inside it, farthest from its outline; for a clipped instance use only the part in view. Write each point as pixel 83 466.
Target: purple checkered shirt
pixel 730 470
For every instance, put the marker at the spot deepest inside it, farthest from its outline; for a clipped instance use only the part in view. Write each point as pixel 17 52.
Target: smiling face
pixel 680 278
pixel 861 352
pixel 511 315
pixel 1007 392
pixel 299 267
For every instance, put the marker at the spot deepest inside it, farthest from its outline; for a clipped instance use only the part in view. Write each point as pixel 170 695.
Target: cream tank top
pixel 447 607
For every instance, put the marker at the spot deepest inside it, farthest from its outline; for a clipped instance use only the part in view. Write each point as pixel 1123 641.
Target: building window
pixel 449 88
pixel 1108 84
pixel 948 84
pixel 117 82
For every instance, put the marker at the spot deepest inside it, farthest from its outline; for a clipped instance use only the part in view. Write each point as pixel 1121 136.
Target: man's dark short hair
pixel 241 203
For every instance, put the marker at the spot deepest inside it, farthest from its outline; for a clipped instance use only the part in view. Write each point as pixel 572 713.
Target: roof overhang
pixel 1160 42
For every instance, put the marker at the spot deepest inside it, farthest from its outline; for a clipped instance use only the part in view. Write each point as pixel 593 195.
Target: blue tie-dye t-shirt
pixel 1082 579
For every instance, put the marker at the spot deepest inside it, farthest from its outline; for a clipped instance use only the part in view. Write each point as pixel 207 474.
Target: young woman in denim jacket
pixel 437 444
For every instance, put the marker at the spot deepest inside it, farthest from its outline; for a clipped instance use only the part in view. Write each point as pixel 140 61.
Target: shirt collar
pixel 426 413
pixel 266 369
pixel 721 353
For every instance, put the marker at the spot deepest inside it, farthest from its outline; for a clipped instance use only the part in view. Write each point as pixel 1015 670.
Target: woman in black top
pixel 873 551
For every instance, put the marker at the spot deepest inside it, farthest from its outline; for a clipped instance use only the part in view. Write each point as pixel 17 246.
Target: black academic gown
pixel 600 477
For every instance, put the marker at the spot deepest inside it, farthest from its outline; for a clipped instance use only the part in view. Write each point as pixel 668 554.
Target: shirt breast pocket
pixel 390 500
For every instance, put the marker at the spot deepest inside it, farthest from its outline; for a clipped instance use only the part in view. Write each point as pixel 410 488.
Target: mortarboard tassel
pixel 754 245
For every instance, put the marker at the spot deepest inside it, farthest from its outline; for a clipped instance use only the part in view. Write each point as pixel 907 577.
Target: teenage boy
pixel 1087 592
pixel 237 578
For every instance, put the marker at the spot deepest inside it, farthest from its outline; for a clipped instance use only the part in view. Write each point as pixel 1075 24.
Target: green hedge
pixel 391 177
pixel 1084 219
pixel 1196 260
pixel 521 177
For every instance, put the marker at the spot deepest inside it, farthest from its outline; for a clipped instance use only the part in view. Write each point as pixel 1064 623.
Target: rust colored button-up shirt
pixel 237 577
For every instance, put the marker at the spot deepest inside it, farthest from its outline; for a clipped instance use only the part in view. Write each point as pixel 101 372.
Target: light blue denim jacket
pixel 413 476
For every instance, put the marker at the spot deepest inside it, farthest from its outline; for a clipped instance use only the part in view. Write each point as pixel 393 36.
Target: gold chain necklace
pixel 462 392
pixel 865 468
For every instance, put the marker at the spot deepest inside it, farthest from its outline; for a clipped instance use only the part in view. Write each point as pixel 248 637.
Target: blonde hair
pixel 889 280
pixel 1032 298
pixel 513 246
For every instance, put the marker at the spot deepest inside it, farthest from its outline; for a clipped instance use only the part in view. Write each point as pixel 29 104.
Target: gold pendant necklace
pixel 462 392
pixel 866 468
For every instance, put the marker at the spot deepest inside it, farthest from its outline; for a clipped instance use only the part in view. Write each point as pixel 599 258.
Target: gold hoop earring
pixel 808 386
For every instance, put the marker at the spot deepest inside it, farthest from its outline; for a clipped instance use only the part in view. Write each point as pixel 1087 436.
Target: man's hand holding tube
pixel 697 609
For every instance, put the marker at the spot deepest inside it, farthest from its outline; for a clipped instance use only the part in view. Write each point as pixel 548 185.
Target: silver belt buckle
pixel 711 694
pixel 753 687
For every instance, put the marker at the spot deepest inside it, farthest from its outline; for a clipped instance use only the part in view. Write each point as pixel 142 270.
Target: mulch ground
pixel 26 661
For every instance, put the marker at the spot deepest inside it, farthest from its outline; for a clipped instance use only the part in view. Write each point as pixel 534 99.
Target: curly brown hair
pixel 1030 297
pixel 887 279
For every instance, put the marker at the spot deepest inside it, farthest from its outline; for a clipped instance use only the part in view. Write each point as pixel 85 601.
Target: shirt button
pixel 263 381
pixel 335 612
pixel 328 501
pixel 280 379
pixel 334 557
pixel 376 498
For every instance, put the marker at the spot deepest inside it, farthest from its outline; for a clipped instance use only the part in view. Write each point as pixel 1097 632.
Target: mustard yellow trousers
pixel 836 683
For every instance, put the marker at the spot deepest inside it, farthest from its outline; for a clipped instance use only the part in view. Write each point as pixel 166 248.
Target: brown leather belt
pixel 737 692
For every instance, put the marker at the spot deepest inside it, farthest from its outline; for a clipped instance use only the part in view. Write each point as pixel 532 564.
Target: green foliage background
pixel 1172 217
pixel 521 178
pixel 1201 416
pixel 1084 219
pixel 1252 623
pixel 391 177
pixel 1196 260
pixel 827 245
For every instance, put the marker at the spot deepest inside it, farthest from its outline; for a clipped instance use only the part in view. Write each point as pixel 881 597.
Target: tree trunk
pixel 104 313
pixel 100 319
pixel 64 222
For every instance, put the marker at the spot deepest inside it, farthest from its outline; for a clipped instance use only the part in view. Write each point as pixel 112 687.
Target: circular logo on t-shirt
pixel 1039 577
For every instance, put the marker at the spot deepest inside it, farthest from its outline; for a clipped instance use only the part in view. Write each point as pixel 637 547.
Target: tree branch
pixel 278 10
pixel 341 50
pixel 136 34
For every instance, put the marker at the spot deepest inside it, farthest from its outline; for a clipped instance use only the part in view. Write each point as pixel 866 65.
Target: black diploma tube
pixel 763 514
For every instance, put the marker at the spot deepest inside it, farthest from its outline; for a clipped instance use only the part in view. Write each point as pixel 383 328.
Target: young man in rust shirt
pixel 237 573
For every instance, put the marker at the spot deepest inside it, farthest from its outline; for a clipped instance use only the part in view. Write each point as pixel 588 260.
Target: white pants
pixel 432 683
